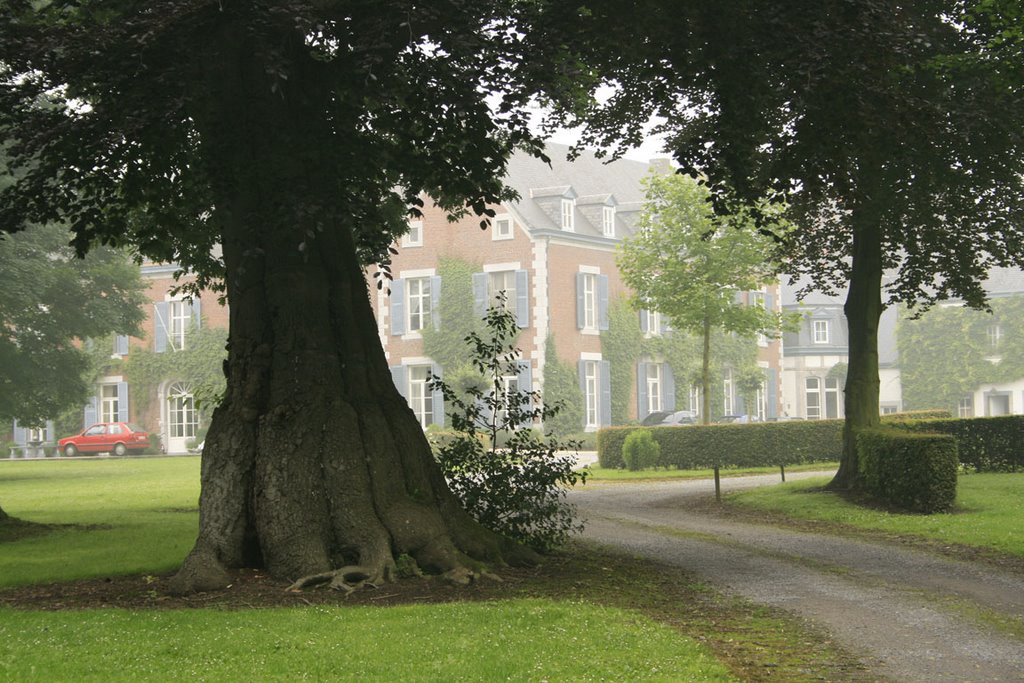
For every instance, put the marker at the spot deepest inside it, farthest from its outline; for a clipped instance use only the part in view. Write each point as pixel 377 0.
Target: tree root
pixel 347 579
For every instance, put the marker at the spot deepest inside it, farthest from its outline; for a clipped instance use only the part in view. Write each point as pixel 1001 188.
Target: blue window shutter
pixel 642 402
pixel 398 307
pixel 91 412
pixel 51 437
pixel 663 325
pixel 122 401
pixel 605 372
pixel 160 326
pixel 121 344
pixel 772 398
pixel 644 315
pixel 668 388
pixel 769 302
pixel 437 397
pixel 602 302
pixel 525 380
pixel 480 293
pixel 398 377
pixel 740 407
pixel 522 298
pixel 435 302
pixel 581 314
pixel 737 297
pixel 197 316
pixel 20 434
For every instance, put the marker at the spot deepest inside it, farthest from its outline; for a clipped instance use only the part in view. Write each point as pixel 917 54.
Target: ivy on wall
pixel 446 345
pixel 947 353
pixel 624 345
pixel 200 364
pixel 562 387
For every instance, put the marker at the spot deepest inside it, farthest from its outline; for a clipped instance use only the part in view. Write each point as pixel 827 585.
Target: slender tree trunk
pixel 863 309
pixel 313 463
pixel 705 374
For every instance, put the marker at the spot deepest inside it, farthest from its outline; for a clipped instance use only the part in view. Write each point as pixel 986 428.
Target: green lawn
pixel 523 640
pixel 989 510
pixel 597 473
pixel 138 516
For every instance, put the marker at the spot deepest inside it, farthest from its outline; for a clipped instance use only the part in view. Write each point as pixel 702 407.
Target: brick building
pixel 553 252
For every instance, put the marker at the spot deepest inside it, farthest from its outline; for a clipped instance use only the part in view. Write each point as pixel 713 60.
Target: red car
pixel 118 438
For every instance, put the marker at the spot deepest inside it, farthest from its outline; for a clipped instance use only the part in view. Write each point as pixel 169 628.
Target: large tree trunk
pixel 313 461
pixel 863 309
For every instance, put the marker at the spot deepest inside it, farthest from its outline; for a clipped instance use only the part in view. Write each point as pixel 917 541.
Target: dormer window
pixel 608 221
pixel 568 215
pixel 413 238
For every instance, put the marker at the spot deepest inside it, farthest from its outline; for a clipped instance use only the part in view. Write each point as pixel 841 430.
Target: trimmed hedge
pixel 744 445
pixel 985 444
pixel 912 470
pixel 936 414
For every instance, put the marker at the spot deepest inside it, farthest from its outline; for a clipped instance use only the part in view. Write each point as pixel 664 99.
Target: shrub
pixel 518 489
pixel 640 451
pixel 933 414
pixel 985 444
pixel 914 471
pixel 745 445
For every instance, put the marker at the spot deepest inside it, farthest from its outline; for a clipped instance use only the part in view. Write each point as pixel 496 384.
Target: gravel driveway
pixel 910 615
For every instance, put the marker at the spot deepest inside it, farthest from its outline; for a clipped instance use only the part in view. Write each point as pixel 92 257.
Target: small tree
pixel 517 490
pixel 640 451
pixel 689 263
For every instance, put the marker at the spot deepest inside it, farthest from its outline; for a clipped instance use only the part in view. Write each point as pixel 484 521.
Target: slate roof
pixel 587 176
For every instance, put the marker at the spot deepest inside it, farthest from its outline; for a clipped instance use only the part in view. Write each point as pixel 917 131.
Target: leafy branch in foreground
pixel 519 488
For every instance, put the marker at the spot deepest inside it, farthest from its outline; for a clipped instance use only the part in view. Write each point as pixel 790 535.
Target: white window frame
pixel 653 324
pixel 995 335
pixel 813 412
pixel 592 391
pixel 413 238
pixel 417 319
pixel 179 321
pixel 820 331
pixel 608 221
pixel 421 398
pixel 653 387
pixel 761 402
pixel 693 399
pixel 589 301
pixel 182 416
pixel 109 405
pixel 728 396
pixel 965 406
pixel 832 391
pixel 502 227
pixel 568 215
pixel 507 285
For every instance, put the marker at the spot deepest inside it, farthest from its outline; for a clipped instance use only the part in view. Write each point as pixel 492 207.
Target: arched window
pixel 182 415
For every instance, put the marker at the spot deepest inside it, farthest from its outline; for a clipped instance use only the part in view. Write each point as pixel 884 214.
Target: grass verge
pixel 597 473
pixel 986 516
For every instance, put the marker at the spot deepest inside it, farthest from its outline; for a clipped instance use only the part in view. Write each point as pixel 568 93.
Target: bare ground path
pixel 911 615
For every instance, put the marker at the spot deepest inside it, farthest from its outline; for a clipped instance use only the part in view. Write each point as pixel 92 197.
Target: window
pixel 693 396
pixel 761 403
pixel 821 332
pixel 413 238
pixel 418 292
pixel 178 323
pixel 421 398
pixel 831 397
pixel 108 403
pixel 181 411
pixel 498 282
pixel 589 301
pixel 98 430
pixel 729 402
pixel 608 221
pixel 592 388
pixel 965 407
pixel 650 322
pixel 502 228
pixel 995 333
pixel 813 394
pixel 568 215
pixel 653 386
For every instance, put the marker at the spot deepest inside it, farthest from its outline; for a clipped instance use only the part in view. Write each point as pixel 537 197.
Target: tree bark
pixel 313 461
pixel 863 309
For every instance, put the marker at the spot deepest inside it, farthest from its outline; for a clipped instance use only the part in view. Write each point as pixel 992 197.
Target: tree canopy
pixel 692 265
pixel 50 303
pixel 895 131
